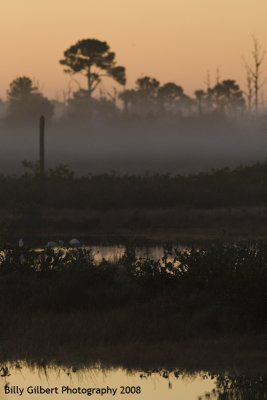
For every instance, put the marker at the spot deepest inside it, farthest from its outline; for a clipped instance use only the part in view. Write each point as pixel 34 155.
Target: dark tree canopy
pixel 20 88
pixel 170 97
pixel 226 96
pixel 170 92
pixel 146 99
pixel 94 59
pixel 147 87
pixel 150 98
pixel 25 102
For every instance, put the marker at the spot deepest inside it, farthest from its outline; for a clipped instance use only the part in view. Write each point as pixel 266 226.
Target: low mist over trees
pixel 80 106
pixel 152 126
pixel 224 98
pixel 149 97
pixel 25 102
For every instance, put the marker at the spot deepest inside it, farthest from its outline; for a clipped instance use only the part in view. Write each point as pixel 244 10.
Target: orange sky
pixel 171 40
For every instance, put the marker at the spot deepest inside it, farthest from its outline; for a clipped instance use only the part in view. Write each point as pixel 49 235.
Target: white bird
pixel 51 244
pixel 21 243
pixel 74 242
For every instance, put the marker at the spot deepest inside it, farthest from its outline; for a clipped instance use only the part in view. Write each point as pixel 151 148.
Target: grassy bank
pixel 178 225
pixel 235 354
pixel 244 186
pixel 221 204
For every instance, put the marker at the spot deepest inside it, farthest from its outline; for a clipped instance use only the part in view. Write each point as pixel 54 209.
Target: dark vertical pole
pixel 42 145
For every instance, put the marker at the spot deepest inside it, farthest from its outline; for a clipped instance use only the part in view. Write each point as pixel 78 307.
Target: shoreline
pixel 234 354
pixel 139 226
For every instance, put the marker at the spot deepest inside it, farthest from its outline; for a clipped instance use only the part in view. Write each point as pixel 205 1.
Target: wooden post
pixel 42 145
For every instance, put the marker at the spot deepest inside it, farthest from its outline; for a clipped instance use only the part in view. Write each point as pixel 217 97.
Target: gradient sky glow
pixel 171 40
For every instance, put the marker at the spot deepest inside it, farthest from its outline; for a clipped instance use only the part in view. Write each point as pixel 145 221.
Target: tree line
pixel 95 61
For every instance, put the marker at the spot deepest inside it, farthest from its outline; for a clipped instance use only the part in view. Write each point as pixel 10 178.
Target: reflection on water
pixel 26 382
pixel 238 388
pixel 109 253
pixel 114 253
pixel 20 380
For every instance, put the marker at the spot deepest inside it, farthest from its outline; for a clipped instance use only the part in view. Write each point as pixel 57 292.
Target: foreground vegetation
pixel 56 301
pixel 226 281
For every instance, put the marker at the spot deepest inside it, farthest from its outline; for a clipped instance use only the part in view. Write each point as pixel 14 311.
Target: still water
pixel 115 252
pixel 25 382
pixel 21 381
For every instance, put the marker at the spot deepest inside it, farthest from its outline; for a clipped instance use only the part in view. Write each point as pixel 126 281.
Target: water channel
pixel 25 382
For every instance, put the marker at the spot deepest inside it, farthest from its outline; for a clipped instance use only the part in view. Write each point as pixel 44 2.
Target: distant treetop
pixel 94 59
pixel 25 102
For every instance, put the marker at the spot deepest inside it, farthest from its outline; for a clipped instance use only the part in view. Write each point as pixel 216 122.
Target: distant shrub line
pixel 60 189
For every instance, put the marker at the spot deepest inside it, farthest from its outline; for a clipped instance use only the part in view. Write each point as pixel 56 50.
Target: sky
pixel 170 40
